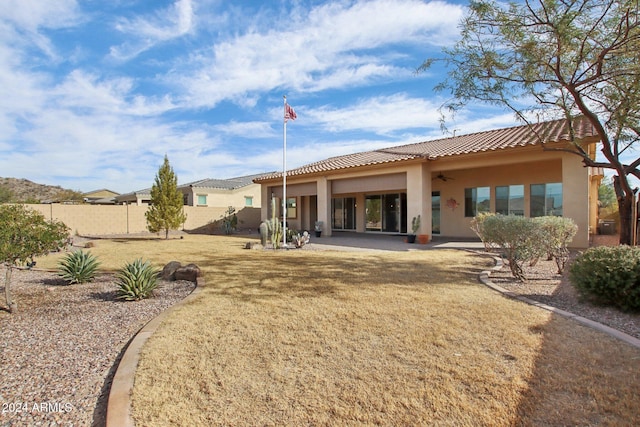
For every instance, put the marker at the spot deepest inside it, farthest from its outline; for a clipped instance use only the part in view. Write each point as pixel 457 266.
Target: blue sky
pixel 94 93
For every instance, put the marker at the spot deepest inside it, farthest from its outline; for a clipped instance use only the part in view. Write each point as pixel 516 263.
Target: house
pixel 238 192
pixel 100 197
pixel 447 182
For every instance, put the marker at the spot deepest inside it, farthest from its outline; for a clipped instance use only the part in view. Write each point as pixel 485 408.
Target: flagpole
pixel 284 177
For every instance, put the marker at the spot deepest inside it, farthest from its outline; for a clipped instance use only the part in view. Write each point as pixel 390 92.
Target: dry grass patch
pixel 344 338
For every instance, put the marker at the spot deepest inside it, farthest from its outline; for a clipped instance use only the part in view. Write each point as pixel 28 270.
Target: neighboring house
pixel 447 182
pixel 100 197
pixel 139 198
pixel 238 192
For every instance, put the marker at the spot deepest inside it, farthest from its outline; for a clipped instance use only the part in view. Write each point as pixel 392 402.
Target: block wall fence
pixel 97 220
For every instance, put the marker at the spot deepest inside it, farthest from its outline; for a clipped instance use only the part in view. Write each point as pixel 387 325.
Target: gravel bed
pixel 545 285
pixel 59 350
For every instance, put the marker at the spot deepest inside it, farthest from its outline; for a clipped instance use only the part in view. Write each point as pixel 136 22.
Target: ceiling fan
pixel 442 177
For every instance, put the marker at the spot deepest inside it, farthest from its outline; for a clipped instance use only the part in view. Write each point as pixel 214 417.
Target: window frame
pixel 471 202
pixel 534 211
pixel 292 207
pixel 510 189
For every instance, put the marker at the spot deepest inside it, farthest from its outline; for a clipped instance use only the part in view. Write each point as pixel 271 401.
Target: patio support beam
pixel 575 197
pixel 419 197
pixel 324 204
pixel 265 201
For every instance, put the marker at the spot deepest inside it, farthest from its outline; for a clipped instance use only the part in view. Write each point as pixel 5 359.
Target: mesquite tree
pixel 167 206
pixel 557 59
pixel 25 234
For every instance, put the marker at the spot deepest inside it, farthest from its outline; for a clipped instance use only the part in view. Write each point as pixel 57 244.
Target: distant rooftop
pixel 224 184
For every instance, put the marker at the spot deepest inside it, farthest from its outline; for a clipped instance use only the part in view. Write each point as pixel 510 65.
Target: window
pixel 435 212
pixel 546 199
pixel 248 201
pixel 510 200
pixel 202 200
pixel 292 210
pixel 476 200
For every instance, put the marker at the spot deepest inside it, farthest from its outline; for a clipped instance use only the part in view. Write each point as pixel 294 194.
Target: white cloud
pixel 256 130
pixel 30 15
pixel 86 91
pixel 381 115
pixel 145 32
pixel 330 47
pixel 22 20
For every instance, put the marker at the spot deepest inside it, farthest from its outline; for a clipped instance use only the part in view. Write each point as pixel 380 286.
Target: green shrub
pixel 520 238
pixel 557 233
pixel 609 275
pixel 477 225
pixel 78 267
pixel 136 280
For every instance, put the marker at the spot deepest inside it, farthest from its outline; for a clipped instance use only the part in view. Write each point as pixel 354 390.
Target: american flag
pixel 289 113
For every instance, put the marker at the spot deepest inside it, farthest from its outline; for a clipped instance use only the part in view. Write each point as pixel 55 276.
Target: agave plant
pixel 78 267
pixel 136 280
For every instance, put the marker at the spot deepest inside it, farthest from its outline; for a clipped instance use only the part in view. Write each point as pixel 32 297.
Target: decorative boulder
pixel 169 270
pixel 189 272
pixel 253 245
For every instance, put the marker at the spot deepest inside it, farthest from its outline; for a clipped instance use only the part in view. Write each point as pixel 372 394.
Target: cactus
pixel 415 224
pixel 271 229
pixel 264 233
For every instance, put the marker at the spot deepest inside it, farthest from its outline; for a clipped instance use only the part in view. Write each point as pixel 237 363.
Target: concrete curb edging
pixel 119 402
pixel 485 279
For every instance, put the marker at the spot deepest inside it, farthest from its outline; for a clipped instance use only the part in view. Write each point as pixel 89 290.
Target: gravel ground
pixel 545 285
pixel 59 349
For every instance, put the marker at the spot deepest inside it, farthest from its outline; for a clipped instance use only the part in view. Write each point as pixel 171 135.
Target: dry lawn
pixel 347 338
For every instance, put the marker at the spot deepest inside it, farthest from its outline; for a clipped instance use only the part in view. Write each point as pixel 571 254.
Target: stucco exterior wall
pixel 453 221
pixel 524 167
pixel 217 197
pixel 95 220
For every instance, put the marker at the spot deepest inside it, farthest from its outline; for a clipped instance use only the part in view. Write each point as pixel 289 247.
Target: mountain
pixel 23 190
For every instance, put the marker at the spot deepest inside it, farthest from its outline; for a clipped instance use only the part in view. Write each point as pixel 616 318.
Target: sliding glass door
pixel 343 215
pixel 386 212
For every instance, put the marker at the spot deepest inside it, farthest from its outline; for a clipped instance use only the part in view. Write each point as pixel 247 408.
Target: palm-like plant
pixel 78 267
pixel 136 280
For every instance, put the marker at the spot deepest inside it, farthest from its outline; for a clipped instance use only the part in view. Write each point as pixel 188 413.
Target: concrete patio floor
pixel 388 242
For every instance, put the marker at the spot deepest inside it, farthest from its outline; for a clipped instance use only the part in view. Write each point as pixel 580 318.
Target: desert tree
pixel 24 235
pixel 167 207
pixel 550 59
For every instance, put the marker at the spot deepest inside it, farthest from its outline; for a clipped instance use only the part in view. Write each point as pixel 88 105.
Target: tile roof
pixel 225 184
pixel 493 140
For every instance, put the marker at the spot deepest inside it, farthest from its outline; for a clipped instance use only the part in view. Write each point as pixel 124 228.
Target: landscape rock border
pixel 119 412
pixel 484 277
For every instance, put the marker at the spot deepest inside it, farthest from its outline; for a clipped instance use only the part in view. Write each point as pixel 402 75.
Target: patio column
pixel 419 197
pixel 265 202
pixel 324 204
pixel 575 197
